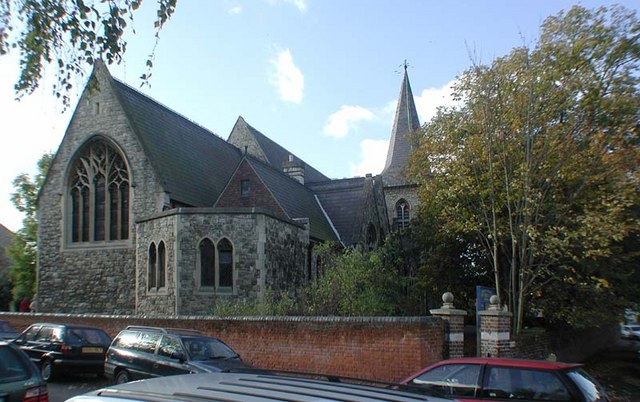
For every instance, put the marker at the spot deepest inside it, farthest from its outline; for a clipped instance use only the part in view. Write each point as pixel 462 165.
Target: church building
pixel 145 212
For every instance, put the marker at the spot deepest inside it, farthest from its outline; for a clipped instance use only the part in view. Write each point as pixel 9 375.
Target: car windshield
pixel 592 391
pixel 85 336
pixel 203 348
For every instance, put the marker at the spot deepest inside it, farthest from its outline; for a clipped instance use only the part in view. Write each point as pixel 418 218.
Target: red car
pixel 488 379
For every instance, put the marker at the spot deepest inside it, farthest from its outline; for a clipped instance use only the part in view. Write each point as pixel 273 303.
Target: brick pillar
pixel 495 331
pixel 453 326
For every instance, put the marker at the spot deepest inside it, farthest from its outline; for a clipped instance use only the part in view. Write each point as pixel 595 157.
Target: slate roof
pixel 342 200
pixel 192 163
pixel 276 154
pixel 405 122
pixel 296 199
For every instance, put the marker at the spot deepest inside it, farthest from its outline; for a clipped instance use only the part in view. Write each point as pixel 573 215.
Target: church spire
pixel 400 145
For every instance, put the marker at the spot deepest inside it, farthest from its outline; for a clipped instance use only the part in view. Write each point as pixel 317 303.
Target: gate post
pixel 453 326
pixel 495 331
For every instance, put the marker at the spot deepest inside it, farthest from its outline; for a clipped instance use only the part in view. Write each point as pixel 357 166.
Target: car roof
pixel 173 331
pixel 520 363
pixel 58 325
pixel 249 387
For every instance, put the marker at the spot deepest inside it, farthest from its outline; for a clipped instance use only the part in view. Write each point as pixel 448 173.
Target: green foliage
pixel 353 283
pixel 538 167
pixel 24 249
pixel 276 304
pixel 69 34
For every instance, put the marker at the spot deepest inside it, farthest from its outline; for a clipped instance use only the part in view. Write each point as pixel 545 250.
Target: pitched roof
pixel 274 153
pixel 192 163
pixel 400 146
pixel 295 199
pixel 342 200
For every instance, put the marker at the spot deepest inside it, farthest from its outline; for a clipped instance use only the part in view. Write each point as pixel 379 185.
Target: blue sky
pixel 320 77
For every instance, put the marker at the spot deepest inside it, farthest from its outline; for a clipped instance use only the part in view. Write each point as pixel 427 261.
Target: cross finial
pixel 404 65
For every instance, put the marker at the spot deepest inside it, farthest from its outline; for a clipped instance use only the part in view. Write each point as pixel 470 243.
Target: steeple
pixel 400 145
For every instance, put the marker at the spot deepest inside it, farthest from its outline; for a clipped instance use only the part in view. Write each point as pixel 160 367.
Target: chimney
pixel 294 168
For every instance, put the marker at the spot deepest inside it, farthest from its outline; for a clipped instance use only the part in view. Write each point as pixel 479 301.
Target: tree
pixel 23 250
pixel 539 164
pixel 69 34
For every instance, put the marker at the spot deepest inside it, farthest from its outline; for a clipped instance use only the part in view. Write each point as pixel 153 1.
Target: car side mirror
pixel 179 356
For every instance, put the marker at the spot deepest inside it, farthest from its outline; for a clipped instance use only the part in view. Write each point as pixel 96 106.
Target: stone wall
pixel 153 231
pixel 378 348
pixel 395 194
pixel 267 253
pixel 92 276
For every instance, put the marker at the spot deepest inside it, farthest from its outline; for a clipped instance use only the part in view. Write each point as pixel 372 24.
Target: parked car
pixel 630 331
pixel 144 352
pixel 58 348
pixel 6 331
pixel 488 379
pixel 248 387
pixel 20 379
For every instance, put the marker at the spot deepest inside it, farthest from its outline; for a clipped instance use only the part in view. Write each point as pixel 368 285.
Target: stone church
pixel 145 212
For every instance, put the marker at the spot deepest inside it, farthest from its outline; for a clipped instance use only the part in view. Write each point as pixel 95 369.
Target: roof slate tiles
pixel 193 163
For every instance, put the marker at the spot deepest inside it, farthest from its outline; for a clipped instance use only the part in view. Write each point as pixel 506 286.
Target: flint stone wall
pixel 92 277
pixel 267 253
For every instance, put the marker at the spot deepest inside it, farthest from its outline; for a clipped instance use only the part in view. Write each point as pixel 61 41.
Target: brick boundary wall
pixel 377 348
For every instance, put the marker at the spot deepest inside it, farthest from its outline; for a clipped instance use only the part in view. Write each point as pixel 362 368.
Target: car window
pixel 45 335
pixel 12 367
pixel 516 383
pixel 126 340
pixel 451 379
pixel 147 342
pixel 30 334
pixel 592 391
pixel 88 336
pixel 169 345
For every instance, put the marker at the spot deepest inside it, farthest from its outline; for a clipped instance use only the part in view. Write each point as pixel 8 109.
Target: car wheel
pixel 122 376
pixel 46 369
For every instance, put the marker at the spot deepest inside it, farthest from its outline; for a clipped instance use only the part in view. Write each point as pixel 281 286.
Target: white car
pixel 630 331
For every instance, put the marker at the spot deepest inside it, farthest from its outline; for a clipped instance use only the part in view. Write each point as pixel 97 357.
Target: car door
pixel 171 358
pixel 455 380
pixel 144 355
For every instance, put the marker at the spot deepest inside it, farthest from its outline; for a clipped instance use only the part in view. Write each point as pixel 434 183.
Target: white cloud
pixel 235 10
pixel 373 155
pixel 430 99
pixel 301 5
pixel 345 119
pixel 287 78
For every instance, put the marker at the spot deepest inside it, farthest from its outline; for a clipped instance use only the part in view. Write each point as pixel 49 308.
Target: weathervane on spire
pixel 405 65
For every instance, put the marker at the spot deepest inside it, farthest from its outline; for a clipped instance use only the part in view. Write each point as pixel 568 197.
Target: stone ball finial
pixel 447 297
pixel 494 299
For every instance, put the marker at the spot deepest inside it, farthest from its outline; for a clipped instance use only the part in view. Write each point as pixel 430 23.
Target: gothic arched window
pixel 225 265
pixel 151 267
pixel 162 265
pixel 99 195
pixel 207 263
pixel 402 214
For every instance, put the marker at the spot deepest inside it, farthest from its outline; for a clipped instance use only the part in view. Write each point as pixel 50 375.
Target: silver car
pixel 250 387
